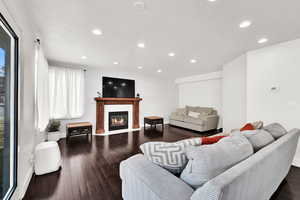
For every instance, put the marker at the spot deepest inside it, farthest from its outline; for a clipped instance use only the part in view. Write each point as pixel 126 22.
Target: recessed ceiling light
pixel 116 63
pixel 262 40
pixel 83 57
pixel 97 32
pixel 139 5
pixel 193 61
pixel 245 24
pixel 211 0
pixel 140 67
pixel 141 45
pixel 171 54
pixel 159 70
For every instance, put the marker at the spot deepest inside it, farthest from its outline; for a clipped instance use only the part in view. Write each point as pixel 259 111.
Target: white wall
pixel 14 12
pixel 234 93
pixel 202 90
pixel 275 66
pixel 159 95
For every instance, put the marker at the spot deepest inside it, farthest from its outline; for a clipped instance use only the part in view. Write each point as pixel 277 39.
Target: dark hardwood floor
pixel 90 169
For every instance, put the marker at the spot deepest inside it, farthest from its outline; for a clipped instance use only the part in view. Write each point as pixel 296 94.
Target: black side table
pixel 153 120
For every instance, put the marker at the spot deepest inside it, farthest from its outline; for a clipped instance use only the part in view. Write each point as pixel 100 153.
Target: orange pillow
pixel 211 140
pixel 247 127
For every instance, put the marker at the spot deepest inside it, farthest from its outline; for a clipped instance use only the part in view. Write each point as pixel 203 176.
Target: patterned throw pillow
pixel 170 156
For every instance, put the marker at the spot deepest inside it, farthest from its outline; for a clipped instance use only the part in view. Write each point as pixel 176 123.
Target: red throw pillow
pixel 211 140
pixel 247 127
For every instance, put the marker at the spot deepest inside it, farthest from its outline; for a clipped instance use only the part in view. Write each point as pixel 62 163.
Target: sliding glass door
pixel 8 109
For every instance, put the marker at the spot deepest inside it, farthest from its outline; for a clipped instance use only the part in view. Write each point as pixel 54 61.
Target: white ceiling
pixel 207 31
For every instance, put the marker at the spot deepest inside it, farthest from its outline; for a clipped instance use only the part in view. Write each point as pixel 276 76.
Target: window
pixel 66 92
pixel 8 109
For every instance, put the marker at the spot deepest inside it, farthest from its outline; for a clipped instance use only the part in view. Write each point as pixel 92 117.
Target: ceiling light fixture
pixel 245 24
pixel 139 5
pixel 211 0
pixel 193 61
pixel 171 54
pixel 159 70
pixel 116 63
pixel 140 67
pixel 262 40
pixel 97 32
pixel 83 57
pixel 141 45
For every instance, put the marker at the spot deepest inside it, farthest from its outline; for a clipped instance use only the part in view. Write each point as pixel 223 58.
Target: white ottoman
pixel 47 158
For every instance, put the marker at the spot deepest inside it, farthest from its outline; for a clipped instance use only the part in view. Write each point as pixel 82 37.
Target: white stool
pixel 47 158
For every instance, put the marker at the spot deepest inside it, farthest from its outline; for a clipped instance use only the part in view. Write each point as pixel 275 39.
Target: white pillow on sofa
pixel 193 114
pixel 208 161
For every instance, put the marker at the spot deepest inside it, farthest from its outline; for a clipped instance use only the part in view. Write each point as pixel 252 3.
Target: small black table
pixel 153 120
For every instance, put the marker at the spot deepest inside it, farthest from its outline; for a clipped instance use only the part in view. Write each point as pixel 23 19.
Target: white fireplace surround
pixel 117 108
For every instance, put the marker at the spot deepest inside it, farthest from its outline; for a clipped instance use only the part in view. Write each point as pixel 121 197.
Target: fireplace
pixel 106 105
pixel 118 120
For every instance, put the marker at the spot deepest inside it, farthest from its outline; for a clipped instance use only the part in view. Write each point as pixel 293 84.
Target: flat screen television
pixel 118 88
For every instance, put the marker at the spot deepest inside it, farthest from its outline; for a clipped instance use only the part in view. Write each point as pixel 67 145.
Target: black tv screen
pixel 118 88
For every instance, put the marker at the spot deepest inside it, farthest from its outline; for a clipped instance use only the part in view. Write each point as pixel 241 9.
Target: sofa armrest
pixel 142 179
pixel 211 121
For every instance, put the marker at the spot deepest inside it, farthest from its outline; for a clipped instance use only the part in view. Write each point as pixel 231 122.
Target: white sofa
pixel 206 120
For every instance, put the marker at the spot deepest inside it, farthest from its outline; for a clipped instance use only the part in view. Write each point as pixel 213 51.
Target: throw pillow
pixel 211 140
pixel 275 129
pixel 181 111
pixel 258 138
pixel 170 156
pixel 258 124
pixel 209 161
pixel 193 114
pixel 247 127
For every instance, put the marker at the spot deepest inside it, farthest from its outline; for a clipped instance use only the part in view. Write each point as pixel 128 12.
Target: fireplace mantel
pixel 100 102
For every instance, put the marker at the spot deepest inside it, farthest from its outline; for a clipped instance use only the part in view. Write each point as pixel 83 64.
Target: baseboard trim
pixel 26 183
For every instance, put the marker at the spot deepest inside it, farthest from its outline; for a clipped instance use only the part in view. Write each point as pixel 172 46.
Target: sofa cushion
pixel 181 111
pixel 193 120
pixel 201 110
pixel 258 138
pixel 276 130
pixel 175 116
pixel 208 161
pixel 170 156
pixel 193 114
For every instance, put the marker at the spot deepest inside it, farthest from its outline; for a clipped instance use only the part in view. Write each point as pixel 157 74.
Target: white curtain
pixel 66 92
pixel 41 89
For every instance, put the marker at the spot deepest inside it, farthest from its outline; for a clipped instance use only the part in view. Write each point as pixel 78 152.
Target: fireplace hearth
pixel 118 120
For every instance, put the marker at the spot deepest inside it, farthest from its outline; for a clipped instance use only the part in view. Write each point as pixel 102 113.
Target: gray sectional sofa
pixel 257 177
pixel 207 118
